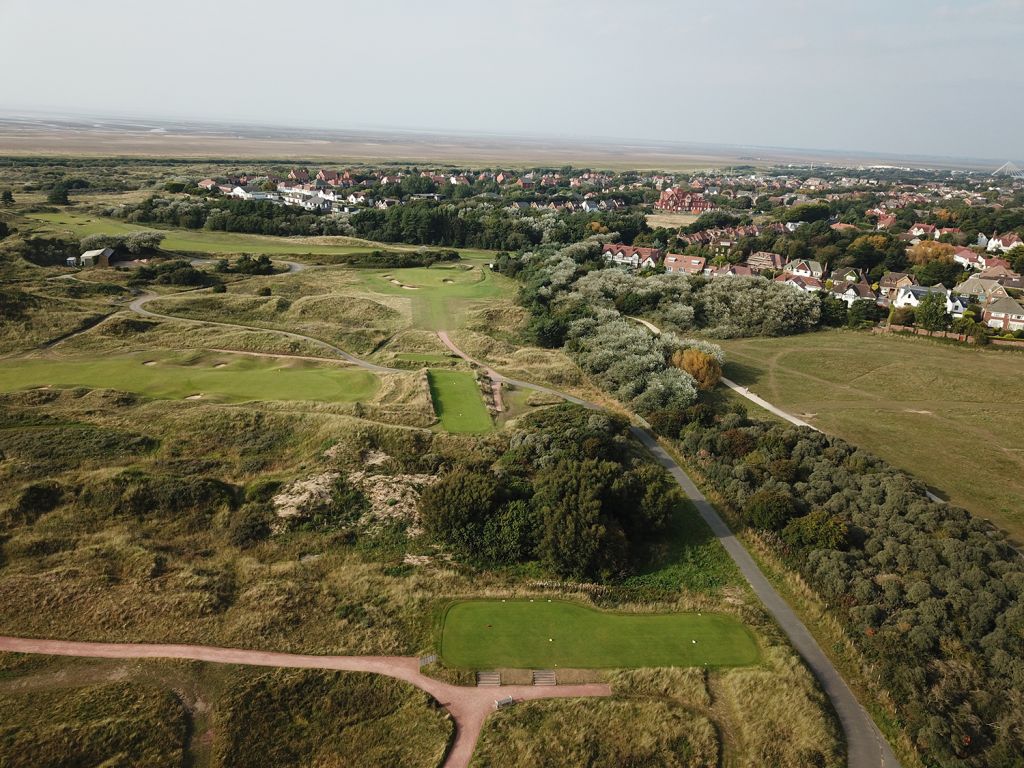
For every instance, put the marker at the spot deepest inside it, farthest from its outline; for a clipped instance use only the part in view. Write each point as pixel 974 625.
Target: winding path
pixel 468 706
pixel 866 746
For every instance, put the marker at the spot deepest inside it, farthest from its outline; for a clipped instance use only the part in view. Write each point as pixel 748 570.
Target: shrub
pixel 769 509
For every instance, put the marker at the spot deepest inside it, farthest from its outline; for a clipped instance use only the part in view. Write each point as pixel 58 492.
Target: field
pixel 211 376
pixel 919 404
pixel 670 219
pixel 545 634
pixel 201 241
pixel 458 403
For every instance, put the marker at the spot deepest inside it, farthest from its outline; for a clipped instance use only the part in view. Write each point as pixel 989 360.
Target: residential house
pixel 328 177
pixel 922 230
pixel 590 206
pixel 680 263
pixel 886 221
pixel 848 274
pixel 800 282
pixel 968 259
pixel 1003 242
pixel 252 193
pixel 804 268
pixel 849 291
pixel 299 174
pixel 764 260
pixel 891 283
pixel 207 184
pixel 912 295
pixel 359 198
pixel 1004 313
pixel 733 270
pixel 636 257
pixel 982 289
pixel 387 202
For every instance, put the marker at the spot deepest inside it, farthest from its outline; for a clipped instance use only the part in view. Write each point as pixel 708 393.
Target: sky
pixel 894 76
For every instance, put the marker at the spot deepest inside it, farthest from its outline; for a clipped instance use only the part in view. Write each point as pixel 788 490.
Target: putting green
pixel 206 376
pixel 457 402
pixel 542 634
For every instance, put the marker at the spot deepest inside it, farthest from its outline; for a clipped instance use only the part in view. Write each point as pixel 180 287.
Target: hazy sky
pixel 905 76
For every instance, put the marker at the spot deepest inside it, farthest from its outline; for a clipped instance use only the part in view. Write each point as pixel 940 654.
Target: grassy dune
pixel 527 634
pixel 213 376
pixel 948 415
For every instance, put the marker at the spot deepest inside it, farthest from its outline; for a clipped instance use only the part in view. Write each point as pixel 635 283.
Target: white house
pixel 1003 243
pixel 911 295
pixel 804 268
pixel 805 284
pixel 632 256
pixel 968 259
pixel 851 292
pixel 244 193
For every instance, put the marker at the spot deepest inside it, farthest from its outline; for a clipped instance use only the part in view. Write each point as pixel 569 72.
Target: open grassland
pixel 458 403
pixel 212 376
pixel 152 714
pixel 670 219
pixel 947 414
pixel 549 634
pixel 202 241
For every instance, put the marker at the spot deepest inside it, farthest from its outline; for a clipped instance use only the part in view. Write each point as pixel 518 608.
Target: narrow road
pixel 765 404
pixel 468 706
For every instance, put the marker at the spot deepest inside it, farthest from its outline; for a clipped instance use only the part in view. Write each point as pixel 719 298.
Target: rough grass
pixel 598 733
pixel 213 376
pixel 330 718
pixel 111 724
pixel 355 324
pixel 551 634
pixel 949 415
pixel 458 403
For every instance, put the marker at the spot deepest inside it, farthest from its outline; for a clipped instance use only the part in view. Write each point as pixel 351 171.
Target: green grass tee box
pixel 484 634
pixel 457 401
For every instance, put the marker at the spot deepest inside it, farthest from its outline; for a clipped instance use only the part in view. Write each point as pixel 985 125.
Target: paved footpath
pixel 468 706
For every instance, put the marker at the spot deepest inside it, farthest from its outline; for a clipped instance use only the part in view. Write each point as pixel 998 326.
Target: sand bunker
pixel 150 362
pixel 221 365
pixel 198 396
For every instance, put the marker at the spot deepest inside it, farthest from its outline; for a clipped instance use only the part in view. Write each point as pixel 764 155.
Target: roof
pixel 891 278
pixel 98 252
pixel 1006 306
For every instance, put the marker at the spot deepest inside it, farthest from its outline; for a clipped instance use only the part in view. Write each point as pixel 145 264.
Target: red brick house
pixel 681 200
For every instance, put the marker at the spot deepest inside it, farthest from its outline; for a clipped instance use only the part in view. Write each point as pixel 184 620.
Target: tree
pixel 455 509
pixel 7 198
pixel 862 311
pixel 769 509
pixel 704 368
pixel 58 195
pixel 928 251
pixel 931 312
pixel 581 537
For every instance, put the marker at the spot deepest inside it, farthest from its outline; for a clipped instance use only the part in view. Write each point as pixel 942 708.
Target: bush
pixel 769 509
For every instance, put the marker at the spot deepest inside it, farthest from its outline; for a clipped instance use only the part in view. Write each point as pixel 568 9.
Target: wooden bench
pixel 508 701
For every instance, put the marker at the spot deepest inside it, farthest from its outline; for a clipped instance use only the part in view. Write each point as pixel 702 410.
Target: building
pixel 891 282
pixel 912 295
pixel 636 257
pixel 100 257
pixel 681 200
pixel 733 270
pixel 851 292
pixel 801 283
pixel 249 193
pixel 682 264
pixel 1003 243
pixel 207 184
pixel 923 230
pixel 804 268
pixel 765 260
pixel 968 259
pixel 1005 313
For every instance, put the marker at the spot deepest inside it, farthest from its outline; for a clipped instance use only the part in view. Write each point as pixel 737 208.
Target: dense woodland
pixel 933 598
pixel 567 492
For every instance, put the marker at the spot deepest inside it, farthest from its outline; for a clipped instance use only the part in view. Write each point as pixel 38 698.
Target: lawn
pixel 441 294
pixel 458 403
pixel 179 375
pixel 947 414
pixel 486 634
